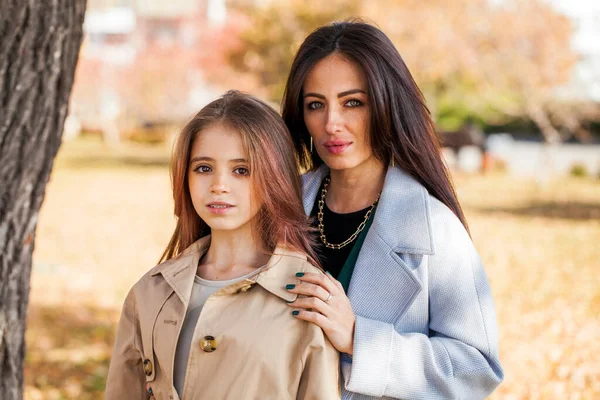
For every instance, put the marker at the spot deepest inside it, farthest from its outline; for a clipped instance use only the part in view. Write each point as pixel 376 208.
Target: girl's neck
pixel 231 254
pixel 354 189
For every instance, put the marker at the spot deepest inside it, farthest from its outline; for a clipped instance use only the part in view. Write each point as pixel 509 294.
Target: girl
pixel 412 309
pixel 211 321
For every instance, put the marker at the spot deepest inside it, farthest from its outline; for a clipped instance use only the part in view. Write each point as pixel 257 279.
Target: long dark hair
pixel 400 127
pixel 274 175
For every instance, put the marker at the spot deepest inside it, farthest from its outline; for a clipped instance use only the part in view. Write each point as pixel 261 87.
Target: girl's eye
pixel 203 169
pixel 314 105
pixel 354 103
pixel 242 171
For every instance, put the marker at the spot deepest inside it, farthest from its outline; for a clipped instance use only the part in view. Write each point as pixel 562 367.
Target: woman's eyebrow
pixel 320 96
pixel 349 92
pixel 342 94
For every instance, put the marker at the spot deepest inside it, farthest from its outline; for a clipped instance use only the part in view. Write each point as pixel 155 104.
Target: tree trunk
pixel 39 46
pixel 540 118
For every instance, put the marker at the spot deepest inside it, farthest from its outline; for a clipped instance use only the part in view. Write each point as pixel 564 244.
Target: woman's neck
pixel 355 188
pixel 231 254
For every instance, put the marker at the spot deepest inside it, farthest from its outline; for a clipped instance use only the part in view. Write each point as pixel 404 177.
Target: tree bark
pixel 39 46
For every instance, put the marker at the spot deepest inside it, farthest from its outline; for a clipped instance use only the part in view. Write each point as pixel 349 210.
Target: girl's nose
pixel 219 185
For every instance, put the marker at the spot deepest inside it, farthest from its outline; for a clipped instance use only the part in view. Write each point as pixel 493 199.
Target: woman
pixel 418 320
pixel 211 321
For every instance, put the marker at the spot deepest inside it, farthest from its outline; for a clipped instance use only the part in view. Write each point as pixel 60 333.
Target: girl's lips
pixel 219 208
pixel 336 146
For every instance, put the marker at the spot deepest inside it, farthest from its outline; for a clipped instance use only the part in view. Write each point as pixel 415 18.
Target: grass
pixel 108 215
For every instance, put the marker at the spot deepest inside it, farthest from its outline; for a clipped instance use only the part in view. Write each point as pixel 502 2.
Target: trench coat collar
pixel 402 217
pixel 179 272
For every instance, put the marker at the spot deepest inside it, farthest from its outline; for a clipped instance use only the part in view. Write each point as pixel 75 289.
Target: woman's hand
pixel 327 306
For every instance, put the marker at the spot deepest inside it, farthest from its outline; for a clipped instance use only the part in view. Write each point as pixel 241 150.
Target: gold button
pixel 208 344
pixel 147 367
pixel 245 288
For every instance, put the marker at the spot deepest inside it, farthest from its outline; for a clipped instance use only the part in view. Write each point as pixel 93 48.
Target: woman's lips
pixel 336 146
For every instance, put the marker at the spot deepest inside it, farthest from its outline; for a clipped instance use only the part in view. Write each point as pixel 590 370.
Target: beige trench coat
pixel 247 344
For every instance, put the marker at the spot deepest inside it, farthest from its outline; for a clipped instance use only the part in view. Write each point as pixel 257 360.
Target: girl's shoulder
pixel 187 258
pixel 153 282
pixel 293 259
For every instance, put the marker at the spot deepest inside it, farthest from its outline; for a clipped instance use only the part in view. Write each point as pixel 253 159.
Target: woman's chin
pixel 367 164
pixel 339 163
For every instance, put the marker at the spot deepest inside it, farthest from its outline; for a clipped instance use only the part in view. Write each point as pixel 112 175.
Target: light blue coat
pixel 425 319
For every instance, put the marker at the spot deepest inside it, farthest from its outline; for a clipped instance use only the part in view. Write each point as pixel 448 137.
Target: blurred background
pixel 514 88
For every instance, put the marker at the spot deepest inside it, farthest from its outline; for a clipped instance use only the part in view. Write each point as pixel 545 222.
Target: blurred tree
pixel 39 45
pixel 473 59
pixel 267 46
pixel 493 62
pixel 156 89
pixel 527 63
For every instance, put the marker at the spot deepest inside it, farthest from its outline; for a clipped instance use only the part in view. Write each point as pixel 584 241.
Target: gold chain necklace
pixel 322 227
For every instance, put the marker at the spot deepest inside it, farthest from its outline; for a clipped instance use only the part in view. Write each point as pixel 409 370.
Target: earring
pixel 392 160
pixel 311 144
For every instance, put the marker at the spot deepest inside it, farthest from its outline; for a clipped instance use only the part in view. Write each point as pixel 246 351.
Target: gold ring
pixel 328 298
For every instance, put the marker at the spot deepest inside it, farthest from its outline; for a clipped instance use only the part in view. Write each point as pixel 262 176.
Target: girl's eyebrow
pixel 195 159
pixel 342 94
pixel 235 160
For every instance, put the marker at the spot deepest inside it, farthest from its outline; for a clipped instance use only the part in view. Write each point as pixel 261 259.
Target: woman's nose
pixel 334 120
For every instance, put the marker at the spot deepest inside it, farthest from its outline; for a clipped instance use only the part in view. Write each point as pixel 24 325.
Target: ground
pixel 107 218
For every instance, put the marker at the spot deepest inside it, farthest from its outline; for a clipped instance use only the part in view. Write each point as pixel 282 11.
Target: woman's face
pixel 336 112
pixel 219 179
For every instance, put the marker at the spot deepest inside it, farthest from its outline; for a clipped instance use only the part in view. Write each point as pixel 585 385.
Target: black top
pixel 338 228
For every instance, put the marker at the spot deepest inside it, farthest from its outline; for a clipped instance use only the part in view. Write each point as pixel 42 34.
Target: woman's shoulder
pixel 445 224
pixel 415 198
pixel 442 216
pixel 452 245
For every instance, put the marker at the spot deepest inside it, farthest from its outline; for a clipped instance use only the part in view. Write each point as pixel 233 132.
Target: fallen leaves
pixel 101 229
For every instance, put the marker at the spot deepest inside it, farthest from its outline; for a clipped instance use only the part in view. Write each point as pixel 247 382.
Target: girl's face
pixel 336 112
pixel 219 179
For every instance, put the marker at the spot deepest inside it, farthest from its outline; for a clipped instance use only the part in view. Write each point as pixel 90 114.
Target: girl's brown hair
pixel 401 126
pixel 273 170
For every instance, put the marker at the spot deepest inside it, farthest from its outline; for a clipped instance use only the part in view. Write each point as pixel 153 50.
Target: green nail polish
pixel 289 301
pixel 299 274
pixel 290 286
pixel 295 312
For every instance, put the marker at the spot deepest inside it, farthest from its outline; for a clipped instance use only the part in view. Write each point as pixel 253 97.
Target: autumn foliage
pixel 473 59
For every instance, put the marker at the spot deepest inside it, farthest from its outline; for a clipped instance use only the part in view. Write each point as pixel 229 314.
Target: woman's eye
pixel 242 171
pixel 354 103
pixel 314 105
pixel 203 168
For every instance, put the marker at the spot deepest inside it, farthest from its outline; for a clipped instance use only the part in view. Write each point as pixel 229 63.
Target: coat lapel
pixel 311 182
pixel 401 225
pixel 381 279
pixel 179 272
